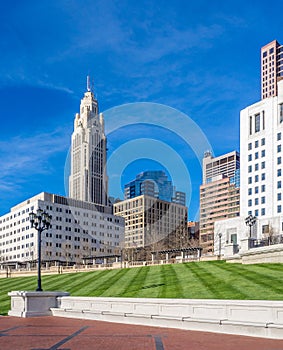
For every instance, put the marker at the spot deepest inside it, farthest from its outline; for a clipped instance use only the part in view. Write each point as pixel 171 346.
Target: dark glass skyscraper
pixel 155 184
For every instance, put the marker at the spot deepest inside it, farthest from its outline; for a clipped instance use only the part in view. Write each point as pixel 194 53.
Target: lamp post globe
pixel 250 221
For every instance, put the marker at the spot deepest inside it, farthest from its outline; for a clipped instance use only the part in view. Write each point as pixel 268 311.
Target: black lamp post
pixel 40 221
pixel 250 221
pixel 220 236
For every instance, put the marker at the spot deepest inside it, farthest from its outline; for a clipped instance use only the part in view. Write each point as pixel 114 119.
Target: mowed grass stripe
pixel 134 283
pixel 116 288
pixel 104 282
pixel 226 285
pixel 255 284
pixel 18 282
pixel 170 282
pixel 209 281
pixel 58 282
pixel 78 281
pixel 153 283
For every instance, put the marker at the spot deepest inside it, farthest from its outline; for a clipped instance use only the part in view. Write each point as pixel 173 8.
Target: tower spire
pixel 88 83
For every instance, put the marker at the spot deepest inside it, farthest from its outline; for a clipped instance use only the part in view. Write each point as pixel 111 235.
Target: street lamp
pixel 250 221
pixel 220 236
pixel 40 221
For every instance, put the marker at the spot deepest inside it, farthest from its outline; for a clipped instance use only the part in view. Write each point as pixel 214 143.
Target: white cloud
pixel 23 156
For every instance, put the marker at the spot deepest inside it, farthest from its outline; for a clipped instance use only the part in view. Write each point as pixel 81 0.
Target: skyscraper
pixel 219 194
pixel 88 179
pixel 271 68
pixel 154 183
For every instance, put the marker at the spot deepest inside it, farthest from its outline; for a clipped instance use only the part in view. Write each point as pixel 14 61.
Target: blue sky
pixel 199 57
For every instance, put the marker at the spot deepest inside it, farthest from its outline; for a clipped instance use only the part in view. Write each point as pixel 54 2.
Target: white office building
pixel 79 230
pixel 261 149
pixel 261 157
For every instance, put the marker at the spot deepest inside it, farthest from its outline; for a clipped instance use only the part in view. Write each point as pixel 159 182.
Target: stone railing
pixel 252 318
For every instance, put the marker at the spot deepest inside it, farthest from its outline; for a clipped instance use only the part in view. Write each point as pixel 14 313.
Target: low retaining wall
pixel 32 304
pixel 252 318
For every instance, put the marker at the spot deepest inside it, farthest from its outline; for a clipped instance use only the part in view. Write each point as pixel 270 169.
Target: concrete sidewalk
pixel 56 333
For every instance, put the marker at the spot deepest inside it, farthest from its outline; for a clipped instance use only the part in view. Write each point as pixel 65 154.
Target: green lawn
pixel 203 280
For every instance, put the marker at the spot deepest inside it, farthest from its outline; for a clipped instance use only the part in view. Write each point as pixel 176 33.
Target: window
pixel 249 191
pixel 278 172
pixel 263 153
pixel 250 180
pixel 279 208
pixel 256 189
pixel 278 148
pixel 249 203
pixel 278 184
pixel 256 155
pixel 256 201
pixel 256 212
pixel 249 157
pixel 279 196
pixel 279 136
pixel 281 113
pixel 263 176
pixel 250 146
pixel 256 144
pixel 251 125
pixel 279 160
pixel 257 122
pixel 262 165
pixel 262 200
pixel 262 211
pixel 256 167
pixel 256 178
pixel 263 141
pixel 250 169
pixel 262 188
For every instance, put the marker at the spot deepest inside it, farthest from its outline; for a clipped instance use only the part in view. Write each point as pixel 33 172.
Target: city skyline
pixel 195 58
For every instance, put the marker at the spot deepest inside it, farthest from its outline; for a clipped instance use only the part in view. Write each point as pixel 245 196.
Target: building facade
pixel 261 145
pixel 78 230
pixel 154 183
pixel 88 177
pixel 219 195
pixel 149 220
pixel 271 68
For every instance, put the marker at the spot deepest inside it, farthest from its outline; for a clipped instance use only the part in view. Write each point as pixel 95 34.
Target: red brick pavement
pixel 56 333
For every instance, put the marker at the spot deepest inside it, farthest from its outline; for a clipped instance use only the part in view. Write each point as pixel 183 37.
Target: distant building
pixel 154 184
pixel 271 68
pixel 78 230
pixel 88 180
pixel 219 194
pixel 193 230
pixel 149 220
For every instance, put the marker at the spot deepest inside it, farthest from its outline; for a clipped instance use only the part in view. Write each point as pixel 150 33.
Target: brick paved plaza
pixel 55 333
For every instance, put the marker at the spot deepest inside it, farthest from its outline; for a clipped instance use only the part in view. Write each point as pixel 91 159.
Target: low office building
pixel 149 220
pixel 78 230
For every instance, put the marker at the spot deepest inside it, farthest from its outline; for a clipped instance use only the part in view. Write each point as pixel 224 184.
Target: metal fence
pixel 264 242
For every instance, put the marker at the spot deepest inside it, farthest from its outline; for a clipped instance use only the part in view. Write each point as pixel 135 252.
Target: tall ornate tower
pixel 88 179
